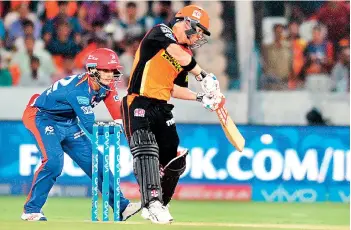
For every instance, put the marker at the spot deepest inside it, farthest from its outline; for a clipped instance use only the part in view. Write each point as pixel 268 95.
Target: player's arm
pixel 183 93
pixel 113 104
pixel 209 82
pixel 186 60
pixel 162 37
pixel 81 106
pixel 180 89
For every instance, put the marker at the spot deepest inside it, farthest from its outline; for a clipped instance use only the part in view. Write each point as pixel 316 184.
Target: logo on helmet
pixel 91 57
pixel 113 59
pixel 197 14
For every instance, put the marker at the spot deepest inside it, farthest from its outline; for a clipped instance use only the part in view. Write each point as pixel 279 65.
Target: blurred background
pixel 283 66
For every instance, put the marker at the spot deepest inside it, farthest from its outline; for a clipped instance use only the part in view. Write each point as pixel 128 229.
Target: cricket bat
pixel 231 131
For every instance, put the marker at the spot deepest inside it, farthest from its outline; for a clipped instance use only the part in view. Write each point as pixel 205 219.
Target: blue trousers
pixel 53 139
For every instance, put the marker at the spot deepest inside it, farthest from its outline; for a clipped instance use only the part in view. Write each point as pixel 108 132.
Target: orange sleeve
pixel 113 103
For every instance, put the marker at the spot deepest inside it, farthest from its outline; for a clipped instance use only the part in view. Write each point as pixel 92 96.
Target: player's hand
pixel 210 84
pixel 211 102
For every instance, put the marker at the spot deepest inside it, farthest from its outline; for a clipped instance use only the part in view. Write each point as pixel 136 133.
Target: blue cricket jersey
pixel 73 97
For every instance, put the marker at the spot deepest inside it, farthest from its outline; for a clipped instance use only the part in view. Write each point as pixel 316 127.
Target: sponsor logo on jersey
pixel 170 122
pixel 87 109
pixel 83 100
pixel 78 134
pixel 172 61
pixel 139 112
pixel 49 130
pixel 167 32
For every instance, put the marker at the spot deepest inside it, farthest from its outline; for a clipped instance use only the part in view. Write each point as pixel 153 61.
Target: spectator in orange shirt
pixel 298 46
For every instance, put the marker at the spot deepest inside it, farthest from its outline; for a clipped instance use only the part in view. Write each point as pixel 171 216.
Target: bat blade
pixel 231 131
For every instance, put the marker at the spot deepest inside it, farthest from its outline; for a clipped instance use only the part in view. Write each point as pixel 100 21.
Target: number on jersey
pixel 63 82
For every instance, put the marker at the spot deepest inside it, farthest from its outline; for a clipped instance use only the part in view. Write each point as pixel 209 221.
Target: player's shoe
pixel 131 210
pixel 145 214
pixel 157 213
pixel 33 217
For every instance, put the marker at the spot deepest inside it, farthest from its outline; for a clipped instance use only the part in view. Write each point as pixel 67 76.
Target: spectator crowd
pixel 43 41
pixel 322 52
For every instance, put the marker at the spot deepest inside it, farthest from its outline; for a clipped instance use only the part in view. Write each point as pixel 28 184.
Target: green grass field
pixel 74 213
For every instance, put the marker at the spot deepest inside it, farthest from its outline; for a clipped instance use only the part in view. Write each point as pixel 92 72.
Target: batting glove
pixel 210 101
pixel 210 84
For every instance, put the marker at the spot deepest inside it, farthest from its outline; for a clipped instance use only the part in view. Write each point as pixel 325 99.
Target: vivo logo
pixel 280 194
pixel 106 165
pixel 106 207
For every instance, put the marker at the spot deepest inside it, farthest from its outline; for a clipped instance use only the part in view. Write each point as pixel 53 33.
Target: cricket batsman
pixel 160 71
pixel 52 118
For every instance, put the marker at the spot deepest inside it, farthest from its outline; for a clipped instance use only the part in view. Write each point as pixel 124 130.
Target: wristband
pixel 201 76
pixel 199 97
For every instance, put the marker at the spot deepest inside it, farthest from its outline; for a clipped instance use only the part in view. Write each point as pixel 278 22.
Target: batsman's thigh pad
pixel 170 177
pixel 144 149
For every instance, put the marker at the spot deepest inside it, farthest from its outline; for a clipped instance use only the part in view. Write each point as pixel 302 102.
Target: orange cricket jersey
pixel 154 71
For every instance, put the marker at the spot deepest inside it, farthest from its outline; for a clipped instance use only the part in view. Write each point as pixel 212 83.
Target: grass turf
pixel 74 213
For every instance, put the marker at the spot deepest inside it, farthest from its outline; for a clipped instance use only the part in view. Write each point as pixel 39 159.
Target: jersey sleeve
pixel 182 79
pixel 81 105
pixel 162 35
pixel 113 103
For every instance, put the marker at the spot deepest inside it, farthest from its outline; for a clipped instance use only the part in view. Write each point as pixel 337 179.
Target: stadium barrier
pixel 279 164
